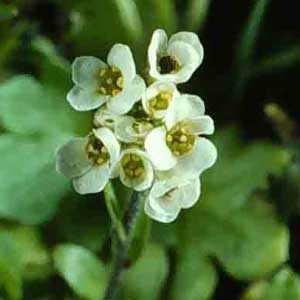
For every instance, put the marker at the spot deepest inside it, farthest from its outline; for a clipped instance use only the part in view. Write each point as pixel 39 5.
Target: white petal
pixel 85 70
pixel 153 90
pixel 109 140
pixel 124 102
pixel 184 107
pixel 202 125
pixel 158 151
pixel 203 157
pixel 187 58
pixel 190 38
pixel 103 117
pixel 121 56
pixel 71 158
pixel 158 215
pixel 138 185
pixel 93 181
pixel 159 42
pixel 190 193
pixel 125 131
pixel 164 198
pixel 83 100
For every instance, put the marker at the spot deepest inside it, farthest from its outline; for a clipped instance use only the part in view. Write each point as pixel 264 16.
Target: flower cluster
pixel 148 136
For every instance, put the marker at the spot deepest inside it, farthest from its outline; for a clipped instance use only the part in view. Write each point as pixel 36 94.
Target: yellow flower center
pixel 180 140
pixel 133 166
pixel 160 102
pixel 96 151
pixel 111 81
pixel 168 65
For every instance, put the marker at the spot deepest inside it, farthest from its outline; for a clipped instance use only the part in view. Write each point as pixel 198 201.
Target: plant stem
pixel 130 218
pixel 111 205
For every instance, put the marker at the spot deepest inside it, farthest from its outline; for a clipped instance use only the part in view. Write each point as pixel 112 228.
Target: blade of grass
pixel 196 14
pixel 130 17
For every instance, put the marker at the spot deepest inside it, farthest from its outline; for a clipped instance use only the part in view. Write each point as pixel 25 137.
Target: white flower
pixel 177 145
pixel 130 130
pixel 167 198
pixel 89 161
pixel 135 169
pixel 104 117
pixel 115 83
pixel 158 97
pixel 174 60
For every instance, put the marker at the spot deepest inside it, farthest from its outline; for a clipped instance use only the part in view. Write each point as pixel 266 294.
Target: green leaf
pixel 35 257
pixel 27 107
pixel 130 18
pixel 30 187
pixel 195 278
pixel 284 286
pixel 144 280
pixel 82 270
pixel 239 171
pixel 249 243
pixel 197 13
pixel 7 11
pixel 11 267
pixel 241 231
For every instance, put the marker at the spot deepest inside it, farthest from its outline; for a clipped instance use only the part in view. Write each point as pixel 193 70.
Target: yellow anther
pixel 109 81
pixel 116 92
pixel 183 138
pixel 103 90
pixel 102 72
pixel 120 82
pixel 169 138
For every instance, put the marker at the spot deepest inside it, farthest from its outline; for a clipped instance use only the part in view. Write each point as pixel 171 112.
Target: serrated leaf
pixel 284 286
pixel 82 270
pixel 195 277
pixel 144 280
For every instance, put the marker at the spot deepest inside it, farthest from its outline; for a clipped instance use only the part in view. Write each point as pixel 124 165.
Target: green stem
pixel 111 205
pixel 122 251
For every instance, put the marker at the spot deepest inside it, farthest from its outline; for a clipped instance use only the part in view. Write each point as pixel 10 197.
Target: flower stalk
pixel 121 255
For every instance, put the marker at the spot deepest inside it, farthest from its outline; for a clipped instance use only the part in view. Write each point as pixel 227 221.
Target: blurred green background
pixel 241 241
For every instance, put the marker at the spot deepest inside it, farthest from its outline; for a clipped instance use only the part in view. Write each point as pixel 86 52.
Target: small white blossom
pixel 167 198
pixel 174 60
pixel 115 83
pixel 177 145
pixel 135 169
pixel 89 161
pixel 104 117
pixel 130 130
pixel 158 98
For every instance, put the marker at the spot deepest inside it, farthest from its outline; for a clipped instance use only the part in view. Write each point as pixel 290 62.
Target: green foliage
pixel 7 11
pixel 229 224
pixel 82 270
pixel 22 255
pixel 196 13
pixel 144 280
pixel 285 285
pixel 196 277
